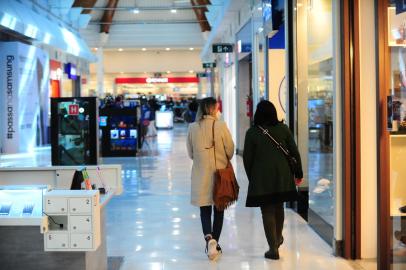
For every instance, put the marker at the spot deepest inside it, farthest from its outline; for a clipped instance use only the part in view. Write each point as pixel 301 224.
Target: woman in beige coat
pixel 201 151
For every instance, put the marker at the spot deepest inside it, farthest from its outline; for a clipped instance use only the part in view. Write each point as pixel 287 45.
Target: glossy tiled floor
pixel 153 226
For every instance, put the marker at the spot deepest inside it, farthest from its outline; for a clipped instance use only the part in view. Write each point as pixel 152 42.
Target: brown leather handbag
pixel 226 188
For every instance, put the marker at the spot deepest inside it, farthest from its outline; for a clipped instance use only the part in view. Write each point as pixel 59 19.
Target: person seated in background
pixel 190 114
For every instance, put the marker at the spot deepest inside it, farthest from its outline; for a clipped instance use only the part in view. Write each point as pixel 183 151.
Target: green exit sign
pixel 222 48
pixel 209 65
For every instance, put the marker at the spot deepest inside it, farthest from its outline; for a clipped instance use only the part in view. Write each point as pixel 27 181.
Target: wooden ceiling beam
pixel 200 13
pixel 85 4
pixel 108 15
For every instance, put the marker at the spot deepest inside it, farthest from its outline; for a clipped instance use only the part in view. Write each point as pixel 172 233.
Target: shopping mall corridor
pixel 153 226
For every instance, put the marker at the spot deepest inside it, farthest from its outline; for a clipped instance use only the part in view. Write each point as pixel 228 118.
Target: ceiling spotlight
pixel 120 49
pixel 173 10
pixel 259 8
pixel 95 49
pixel 191 49
pixel 136 11
pixel 168 49
pixel 191 71
pixel 144 49
pixel 168 72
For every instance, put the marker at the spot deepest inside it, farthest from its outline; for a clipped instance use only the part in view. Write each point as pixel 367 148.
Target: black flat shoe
pixel 272 255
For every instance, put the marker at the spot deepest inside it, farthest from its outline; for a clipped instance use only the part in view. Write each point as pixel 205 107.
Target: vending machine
pixel 74 131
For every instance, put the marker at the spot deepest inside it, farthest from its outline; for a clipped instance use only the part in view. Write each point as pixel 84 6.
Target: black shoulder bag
pixel 293 163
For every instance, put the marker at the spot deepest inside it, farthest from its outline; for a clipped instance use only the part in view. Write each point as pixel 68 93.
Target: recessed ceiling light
pixel 136 11
pixel 121 72
pixel 173 10
pixel 144 49
pixel 191 71
pixel 259 8
pixel 191 49
pixel 168 72
pixel 120 49
pixel 168 49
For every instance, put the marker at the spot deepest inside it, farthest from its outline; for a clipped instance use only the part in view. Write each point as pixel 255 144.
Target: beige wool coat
pixel 201 151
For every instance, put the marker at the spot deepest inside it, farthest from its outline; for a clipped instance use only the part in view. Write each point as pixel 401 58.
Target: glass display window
pixel 314 80
pixel 21 201
pixel 396 125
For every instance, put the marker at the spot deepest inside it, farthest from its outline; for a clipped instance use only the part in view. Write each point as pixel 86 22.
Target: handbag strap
pixel 277 144
pixel 214 146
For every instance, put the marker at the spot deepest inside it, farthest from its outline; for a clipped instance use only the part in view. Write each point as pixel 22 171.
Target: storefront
pixel 316 115
pixel 169 86
pixel 391 78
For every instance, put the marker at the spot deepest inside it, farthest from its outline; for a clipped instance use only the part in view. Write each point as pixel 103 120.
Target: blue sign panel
pixel 400 6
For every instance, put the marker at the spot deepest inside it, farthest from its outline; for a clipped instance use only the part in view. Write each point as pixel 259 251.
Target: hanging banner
pixel 24 80
pixel 9 101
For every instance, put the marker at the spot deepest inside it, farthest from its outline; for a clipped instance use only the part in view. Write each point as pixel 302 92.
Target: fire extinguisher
pixel 220 104
pixel 249 106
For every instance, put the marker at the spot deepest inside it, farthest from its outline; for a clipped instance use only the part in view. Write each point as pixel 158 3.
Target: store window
pixel 397 138
pixel 314 81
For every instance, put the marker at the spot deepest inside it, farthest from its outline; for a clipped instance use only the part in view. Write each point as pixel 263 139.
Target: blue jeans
pixel 205 216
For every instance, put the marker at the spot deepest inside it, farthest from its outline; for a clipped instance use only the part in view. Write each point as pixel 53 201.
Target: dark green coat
pixel 269 175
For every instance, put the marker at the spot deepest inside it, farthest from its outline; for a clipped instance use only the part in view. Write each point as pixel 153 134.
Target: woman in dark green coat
pixel 271 182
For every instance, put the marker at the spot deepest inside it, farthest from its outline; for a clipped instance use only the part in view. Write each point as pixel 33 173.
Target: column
pixel 100 72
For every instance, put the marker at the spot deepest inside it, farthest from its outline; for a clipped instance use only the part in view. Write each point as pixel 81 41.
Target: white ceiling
pixel 154 26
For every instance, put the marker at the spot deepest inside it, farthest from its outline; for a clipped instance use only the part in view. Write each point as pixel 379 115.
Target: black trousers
pixel 208 228
pixel 273 216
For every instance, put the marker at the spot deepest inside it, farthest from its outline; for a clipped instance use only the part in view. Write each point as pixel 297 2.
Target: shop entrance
pixel 244 99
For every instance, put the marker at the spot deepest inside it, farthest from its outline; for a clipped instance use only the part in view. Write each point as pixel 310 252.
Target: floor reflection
pixel 153 225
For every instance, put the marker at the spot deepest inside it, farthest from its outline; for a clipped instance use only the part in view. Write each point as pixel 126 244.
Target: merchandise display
pixel 164 119
pixel 119 131
pixel 398 197
pixel 74 131
pixel 21 201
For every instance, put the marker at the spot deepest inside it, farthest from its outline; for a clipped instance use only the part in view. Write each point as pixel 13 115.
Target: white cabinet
pixel 81 241
pixel 57 240
pixel 79 211
pixel 54 205
pixel 80 205
pixel 80 224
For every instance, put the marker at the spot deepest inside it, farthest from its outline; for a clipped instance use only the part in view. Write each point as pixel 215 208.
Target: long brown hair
pixel 206 107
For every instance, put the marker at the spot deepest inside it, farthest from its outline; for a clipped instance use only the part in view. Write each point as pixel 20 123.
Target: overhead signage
pixel 243 47
pixel 70 70
pixel 156 80
pixel 222 48
pixel 202 75
pixel 209 65
pixel 73 109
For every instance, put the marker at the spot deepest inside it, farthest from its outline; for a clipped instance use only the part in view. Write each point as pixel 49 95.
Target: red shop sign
pixel 157 80
pixel 73 109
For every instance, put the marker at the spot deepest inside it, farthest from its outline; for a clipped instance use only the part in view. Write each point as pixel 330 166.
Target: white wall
pixel 368 131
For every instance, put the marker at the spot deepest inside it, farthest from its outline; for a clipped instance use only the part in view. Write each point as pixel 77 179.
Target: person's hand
pixel 298 181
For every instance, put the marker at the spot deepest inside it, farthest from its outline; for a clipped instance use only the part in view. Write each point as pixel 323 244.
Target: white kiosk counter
pixel 55 229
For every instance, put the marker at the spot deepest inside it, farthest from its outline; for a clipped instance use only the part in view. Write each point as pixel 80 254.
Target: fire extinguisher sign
pixel 73 109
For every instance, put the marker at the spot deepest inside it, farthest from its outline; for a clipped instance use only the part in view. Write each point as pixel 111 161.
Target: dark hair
pixel 266 114
pixel 206 106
